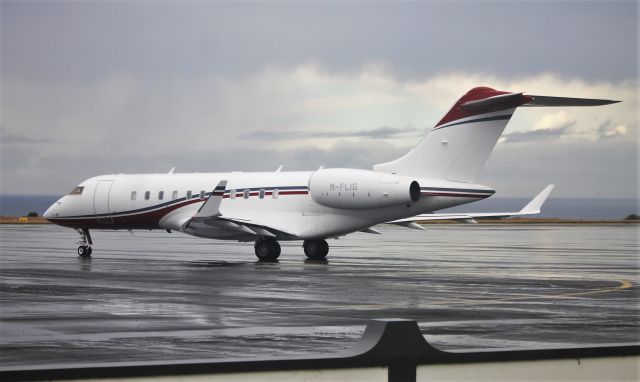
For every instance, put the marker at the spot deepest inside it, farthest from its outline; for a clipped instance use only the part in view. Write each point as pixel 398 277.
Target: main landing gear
pixel 316 249
pixel 84 250
pixel 267 249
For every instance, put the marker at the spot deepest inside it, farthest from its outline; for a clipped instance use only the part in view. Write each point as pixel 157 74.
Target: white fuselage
pixel 278 200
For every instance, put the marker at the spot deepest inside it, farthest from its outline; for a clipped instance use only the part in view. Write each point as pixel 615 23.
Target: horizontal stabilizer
pixel 544 101
pixel 532 208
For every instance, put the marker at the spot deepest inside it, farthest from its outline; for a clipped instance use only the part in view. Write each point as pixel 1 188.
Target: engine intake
pixel 361 189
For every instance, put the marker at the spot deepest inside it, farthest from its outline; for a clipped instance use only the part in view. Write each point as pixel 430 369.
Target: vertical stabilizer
pixel 457 148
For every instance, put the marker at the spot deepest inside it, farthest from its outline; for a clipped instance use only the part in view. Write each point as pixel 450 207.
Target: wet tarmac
pixel 160 296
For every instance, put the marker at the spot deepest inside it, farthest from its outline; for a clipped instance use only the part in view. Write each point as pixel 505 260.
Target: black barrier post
pixel 395 343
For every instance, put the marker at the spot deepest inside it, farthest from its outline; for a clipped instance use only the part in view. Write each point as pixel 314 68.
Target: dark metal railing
pixel 394 343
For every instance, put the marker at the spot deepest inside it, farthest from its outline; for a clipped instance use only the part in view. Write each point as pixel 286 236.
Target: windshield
pixel 76 191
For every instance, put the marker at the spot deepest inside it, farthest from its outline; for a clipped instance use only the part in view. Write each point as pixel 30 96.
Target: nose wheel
pixel 316 249
pixel 84 250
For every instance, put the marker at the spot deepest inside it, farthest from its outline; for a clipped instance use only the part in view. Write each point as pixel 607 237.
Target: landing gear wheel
pixel 84 251
pixel 267 249
pixel 316 249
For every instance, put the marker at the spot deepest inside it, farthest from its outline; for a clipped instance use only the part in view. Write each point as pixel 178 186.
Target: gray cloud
pixel 538 134
pixel 608 130
pixel 578 169
pixel 384 132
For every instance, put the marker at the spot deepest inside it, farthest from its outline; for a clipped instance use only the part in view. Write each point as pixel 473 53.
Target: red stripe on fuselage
pixel 145 220
pixel 240 195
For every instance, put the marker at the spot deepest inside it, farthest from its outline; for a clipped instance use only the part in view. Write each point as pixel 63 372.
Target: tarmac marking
pixel 623 284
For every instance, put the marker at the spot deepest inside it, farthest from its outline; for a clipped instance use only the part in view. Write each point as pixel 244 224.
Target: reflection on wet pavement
pixel 161 296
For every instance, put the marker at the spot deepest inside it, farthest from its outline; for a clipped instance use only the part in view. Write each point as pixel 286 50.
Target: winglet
pixel 211 207
pixel 536 203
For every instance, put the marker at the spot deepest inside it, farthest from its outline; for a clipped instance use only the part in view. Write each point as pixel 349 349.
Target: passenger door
pixel 101 201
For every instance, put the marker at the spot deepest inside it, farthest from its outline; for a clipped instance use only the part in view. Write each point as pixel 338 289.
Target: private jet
pixel 312 206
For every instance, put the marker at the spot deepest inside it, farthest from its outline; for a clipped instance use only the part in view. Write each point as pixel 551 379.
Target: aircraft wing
pixel 532 208
pixel 208 221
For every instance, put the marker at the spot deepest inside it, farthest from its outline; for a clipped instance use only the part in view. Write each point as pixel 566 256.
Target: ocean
pixel 563 208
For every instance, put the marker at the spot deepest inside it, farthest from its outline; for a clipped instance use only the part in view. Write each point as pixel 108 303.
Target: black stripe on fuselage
pixel 485 119
pixel 462 190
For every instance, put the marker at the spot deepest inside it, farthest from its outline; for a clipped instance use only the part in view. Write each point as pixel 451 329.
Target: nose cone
pixel 52 211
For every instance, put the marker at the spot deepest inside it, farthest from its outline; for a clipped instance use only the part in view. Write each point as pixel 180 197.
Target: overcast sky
pixel 108 87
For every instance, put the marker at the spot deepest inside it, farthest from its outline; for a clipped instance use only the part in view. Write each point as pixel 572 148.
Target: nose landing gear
pixel 84 250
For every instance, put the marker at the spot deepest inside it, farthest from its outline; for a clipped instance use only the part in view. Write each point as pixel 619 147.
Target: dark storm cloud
pixel 143 86
pixel 7 138
pixel 416 39
pixel 379 133
pixel 17 161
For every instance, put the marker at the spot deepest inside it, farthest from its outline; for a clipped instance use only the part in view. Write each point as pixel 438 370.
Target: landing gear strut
pixel 316 249
pixel 84 250
pixel 267 249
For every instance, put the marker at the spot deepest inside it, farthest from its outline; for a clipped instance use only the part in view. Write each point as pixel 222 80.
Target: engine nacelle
pixel 361 189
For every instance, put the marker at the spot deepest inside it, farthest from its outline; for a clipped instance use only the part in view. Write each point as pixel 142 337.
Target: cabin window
pixel 202 193
pixel 261 194
pixel 246 194
pixel 232 194
pixel 275 194
pixel 188 195
pixel 174 195
pixel 76 191
pixel 160 195
pixel 133 195
pixel 147 195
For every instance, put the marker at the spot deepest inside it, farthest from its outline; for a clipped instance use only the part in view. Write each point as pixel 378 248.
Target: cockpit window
pixel 77 191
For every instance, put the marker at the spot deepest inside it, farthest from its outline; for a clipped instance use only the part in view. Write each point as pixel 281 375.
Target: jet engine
pixel 361 189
